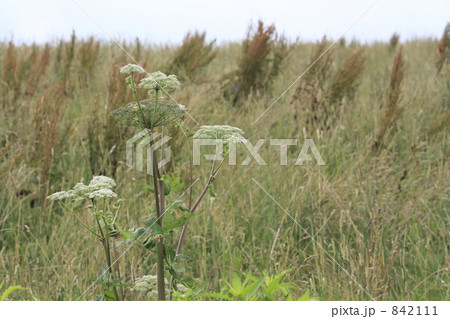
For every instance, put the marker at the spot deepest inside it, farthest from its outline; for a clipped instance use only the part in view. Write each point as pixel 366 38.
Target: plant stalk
pixel 160 247
pixel 105 243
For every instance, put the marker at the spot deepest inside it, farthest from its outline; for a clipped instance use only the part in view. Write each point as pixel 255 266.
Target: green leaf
pixel 175 183
pixel 181 256
pixel 306 297
pixel 11 289
pixel 149 242
pixel 178 268
pixel 153 224
pixel 211 190
pixel 189 283
pixel 139 233
pixel 251 290
pixel 170 253
pixel 109 295
pixel 272 283
pixel 171 222
pixel 167 187
pixel 149 188
pixel 217 296
pixel 183 208
pixel 126 235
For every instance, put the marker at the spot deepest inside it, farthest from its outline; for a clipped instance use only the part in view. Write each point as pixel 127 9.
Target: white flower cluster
pixel 99 182
pixel 60 195
pixel 160 81
pixel 149 285
pixel 145 115
pixel 228 134
pixel 99 187
pixel 131 69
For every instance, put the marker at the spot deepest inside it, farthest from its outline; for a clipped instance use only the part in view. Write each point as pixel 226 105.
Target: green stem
pixel 181 128
pixel 160 247
pixel 197 202
pixel 79 219
pixel 192 209
pixel 133 88
pixel 105 243
pixel 155 106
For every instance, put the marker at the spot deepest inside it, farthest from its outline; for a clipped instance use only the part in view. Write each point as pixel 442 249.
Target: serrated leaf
pixel 251 290
pixel 170 253
pixel 153 224
pixel 189 283
pixel 178 268
pixel 126 235
pixel 181 256
pixel 139 233
pixel 175 183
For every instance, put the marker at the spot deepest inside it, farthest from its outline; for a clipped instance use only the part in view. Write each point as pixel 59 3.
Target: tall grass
pixel 383 216
pixel 263 52
pixel 192 56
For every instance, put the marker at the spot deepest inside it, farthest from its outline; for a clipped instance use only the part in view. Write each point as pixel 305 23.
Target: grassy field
pixel 378 215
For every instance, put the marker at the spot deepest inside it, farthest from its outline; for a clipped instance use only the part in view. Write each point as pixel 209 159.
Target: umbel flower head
pixel 148 285
pixel 147 116
pixel 160 81
pixel 131 69
pixel 228 134
pixel 99 187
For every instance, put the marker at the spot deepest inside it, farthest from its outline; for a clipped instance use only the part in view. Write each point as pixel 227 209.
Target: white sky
pixel 167 21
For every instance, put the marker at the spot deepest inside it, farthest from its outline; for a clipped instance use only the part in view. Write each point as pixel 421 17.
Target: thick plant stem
pixel 160 247
pixel 105 243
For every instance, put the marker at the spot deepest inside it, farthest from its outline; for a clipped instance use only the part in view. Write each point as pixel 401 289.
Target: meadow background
pixel 379 206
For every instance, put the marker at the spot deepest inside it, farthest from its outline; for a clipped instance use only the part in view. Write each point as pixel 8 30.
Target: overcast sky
pixel 167 21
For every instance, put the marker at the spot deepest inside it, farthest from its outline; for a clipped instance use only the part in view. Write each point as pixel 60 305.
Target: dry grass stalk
pixel 137 52
pixel 392 109
pixel 65 54
pixel 280 50
pixel 88 55
pixel 9 74
pixel 345 82
pixel 310 94
pixel 443 49
pixel 37 70
pixel 254 61
pixel 441 123
pixel 262 55
pixel 46 123
pixel 393 41
pixel 192 56
pixel 320 95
